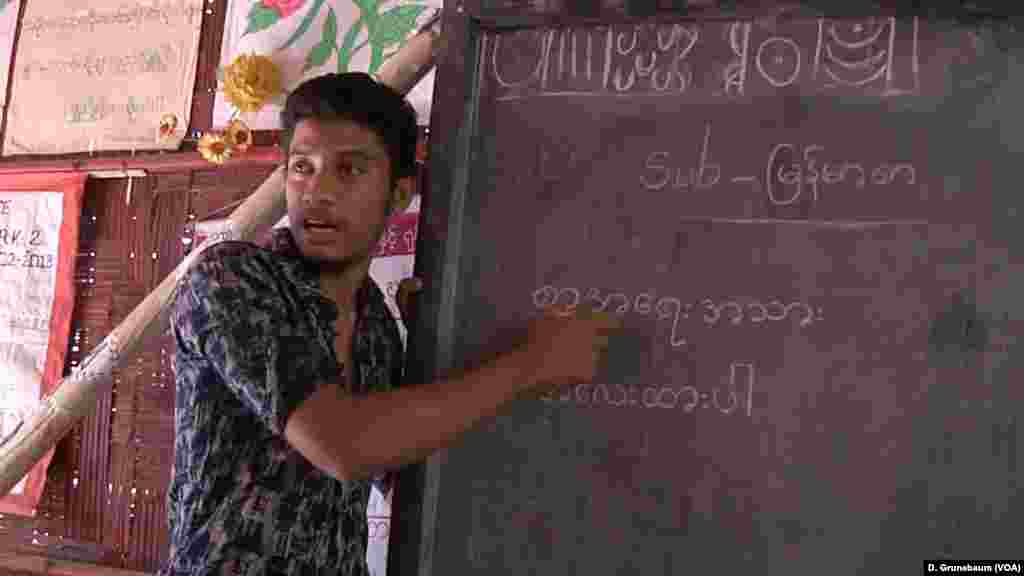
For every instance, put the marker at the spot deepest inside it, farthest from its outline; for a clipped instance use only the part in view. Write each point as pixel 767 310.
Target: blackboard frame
pixel 440 245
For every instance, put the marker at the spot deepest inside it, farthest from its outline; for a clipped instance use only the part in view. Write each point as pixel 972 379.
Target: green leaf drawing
pixel 330 27
pixel 307 21
pixel 376 57
pixel 260 18
pixel 319 55
pixel 3 4
pixel 366 5
pixel 346 50
pixel 393 26
pixel 368 13
pixel 386 30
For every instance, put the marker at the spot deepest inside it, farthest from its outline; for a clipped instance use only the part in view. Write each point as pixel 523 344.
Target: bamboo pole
pixel 33 564
pixel 75 396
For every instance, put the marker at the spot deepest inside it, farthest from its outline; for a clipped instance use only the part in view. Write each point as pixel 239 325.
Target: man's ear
pixel 401 196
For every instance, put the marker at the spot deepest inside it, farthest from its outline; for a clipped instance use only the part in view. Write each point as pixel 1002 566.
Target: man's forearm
pixel 354 437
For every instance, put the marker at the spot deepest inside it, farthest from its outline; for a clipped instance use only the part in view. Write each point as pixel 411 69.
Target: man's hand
pixel 565 347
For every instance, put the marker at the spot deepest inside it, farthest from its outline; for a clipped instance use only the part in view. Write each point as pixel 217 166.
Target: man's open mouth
pixel 316 224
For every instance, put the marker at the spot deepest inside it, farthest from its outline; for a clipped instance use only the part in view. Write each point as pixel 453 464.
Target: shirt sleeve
pixel 229 311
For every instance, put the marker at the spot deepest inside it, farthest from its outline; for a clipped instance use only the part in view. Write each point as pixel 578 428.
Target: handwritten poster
pixel 94 75
pixel 309 38
pixel 8 26
pixel 39 217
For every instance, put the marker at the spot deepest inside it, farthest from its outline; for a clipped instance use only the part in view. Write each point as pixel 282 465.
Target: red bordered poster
pixel 39 222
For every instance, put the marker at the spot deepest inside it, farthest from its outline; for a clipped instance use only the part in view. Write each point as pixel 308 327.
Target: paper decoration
pixel 39 217
pixel 378 524
pixel 309 38
pixel 95 75
pixel 392 263
pixel 8 25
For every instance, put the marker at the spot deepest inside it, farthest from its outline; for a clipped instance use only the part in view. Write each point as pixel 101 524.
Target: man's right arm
pixel 224 312
pixel 352 437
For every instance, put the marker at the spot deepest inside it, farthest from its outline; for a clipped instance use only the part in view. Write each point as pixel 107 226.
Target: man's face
pixel 338 190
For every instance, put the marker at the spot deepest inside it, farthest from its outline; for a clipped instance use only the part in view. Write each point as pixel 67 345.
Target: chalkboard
pixel 810 223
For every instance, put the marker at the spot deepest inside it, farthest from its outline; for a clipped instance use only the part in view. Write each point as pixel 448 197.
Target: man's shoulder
pixel 227 274
pixel 232 253
pixel 233 263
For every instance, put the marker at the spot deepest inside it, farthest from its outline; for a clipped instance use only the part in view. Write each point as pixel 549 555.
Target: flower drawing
pixel 284 8
pixel 382 32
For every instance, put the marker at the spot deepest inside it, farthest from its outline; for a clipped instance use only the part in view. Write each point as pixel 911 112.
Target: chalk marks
pixel 756 312
pixel 660 171
pixel 833 224
pixel 712 311
pixel 877 56
pixel 864 52
pixel 708 312
pixel 778 61
pixel 792 173
pixel 734 74
pixel 787 182
pixel 737 392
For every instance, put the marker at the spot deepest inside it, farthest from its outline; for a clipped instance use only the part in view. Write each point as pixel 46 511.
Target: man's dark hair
pixel 358 98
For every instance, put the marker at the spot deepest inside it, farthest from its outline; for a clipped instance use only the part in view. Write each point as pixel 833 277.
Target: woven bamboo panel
pixel 106 487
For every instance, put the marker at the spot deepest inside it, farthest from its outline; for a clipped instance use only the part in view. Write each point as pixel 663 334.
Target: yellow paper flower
pixel 239 136
pixel 250 80
pixel 168 124
pixel 214 147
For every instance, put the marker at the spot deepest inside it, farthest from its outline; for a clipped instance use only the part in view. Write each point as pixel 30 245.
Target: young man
pixel 277 438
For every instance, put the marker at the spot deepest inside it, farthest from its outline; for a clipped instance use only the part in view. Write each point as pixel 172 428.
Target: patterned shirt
pixel 255 338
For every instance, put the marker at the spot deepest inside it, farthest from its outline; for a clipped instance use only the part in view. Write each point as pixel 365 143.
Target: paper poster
pixel 8 26
pixel 378 524
pixel 38 242
pixel 394 259
pixel 392 263
pixel 94 75
pixel 309 38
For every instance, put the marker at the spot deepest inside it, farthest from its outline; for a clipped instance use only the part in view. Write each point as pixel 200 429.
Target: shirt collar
pixel 369 299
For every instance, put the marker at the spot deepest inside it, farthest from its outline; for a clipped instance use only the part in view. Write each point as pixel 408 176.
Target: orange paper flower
pixel 239 136
pixel 250 81
pixel 214 147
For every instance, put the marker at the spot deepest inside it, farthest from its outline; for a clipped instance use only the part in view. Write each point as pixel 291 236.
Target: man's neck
pixel 343 285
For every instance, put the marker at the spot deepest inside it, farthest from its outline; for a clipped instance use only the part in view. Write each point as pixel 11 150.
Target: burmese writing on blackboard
pixel 875 56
